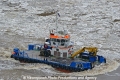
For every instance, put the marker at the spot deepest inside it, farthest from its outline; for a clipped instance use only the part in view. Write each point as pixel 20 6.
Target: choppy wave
pixel 7 63
pixel 90 23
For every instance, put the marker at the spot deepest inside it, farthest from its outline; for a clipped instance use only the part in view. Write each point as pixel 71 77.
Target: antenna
pixel 57 14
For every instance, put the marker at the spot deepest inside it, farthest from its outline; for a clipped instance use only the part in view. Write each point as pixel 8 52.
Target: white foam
pixel 101 69
pixel 94 28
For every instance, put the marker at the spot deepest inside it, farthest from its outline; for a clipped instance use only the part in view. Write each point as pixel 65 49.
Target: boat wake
pixel 9 63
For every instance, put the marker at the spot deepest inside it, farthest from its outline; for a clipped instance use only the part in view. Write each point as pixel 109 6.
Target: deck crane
pixel 91 50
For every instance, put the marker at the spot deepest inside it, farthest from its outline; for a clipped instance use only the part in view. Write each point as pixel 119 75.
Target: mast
pixel 56 20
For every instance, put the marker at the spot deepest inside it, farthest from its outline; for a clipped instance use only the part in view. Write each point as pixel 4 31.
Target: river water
pixel 89 22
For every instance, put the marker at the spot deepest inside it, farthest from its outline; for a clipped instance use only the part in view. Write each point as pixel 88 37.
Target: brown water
pixel 89 22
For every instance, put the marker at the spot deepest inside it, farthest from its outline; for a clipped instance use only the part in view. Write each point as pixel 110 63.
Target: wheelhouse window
pixel 54 41
pixel 62 42
pixel 67 40
pixel 58 40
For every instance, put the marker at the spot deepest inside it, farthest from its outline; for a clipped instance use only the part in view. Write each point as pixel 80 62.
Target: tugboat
pixel 57 51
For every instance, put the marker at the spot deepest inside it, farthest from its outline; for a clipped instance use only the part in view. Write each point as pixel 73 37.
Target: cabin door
pixel 64 54
pixel 56 54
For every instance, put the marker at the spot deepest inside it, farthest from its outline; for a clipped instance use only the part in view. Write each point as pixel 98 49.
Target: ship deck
pixel 67 61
